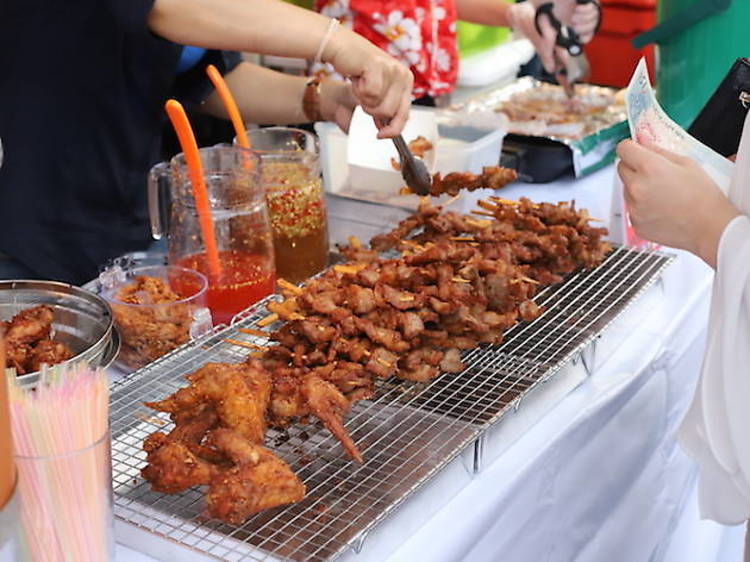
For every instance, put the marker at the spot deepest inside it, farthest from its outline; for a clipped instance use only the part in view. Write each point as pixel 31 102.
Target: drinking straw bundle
pixel 61 437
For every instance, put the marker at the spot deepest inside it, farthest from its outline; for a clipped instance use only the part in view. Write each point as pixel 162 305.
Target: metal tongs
pixel 568 39
pixel 413 169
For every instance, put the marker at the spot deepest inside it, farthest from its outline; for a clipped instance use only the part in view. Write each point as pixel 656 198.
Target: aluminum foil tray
pixel 591 138
pixel 408 432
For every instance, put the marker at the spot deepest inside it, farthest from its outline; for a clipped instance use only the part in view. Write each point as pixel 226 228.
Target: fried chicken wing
pixel 330 406
pixel 48 352
pixel 28 343
pixel 259 480
pixel 30 326
pixel 172 467
pixel 239 393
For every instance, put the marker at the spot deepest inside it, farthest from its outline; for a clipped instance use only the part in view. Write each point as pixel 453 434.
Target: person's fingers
pixel 626 173
pixel 669 155
pixel 562 56
pixel 343 117
pixel 585 17
pixel 634 155
pixel 389 105
pixel 396 125
pixel 546 45
pixel 370 87
pixel 584 21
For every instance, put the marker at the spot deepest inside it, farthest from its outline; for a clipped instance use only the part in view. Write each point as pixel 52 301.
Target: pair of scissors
pixel 567 37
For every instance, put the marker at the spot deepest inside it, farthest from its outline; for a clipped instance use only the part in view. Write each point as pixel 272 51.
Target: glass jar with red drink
pixel 295 199
pixel 241 227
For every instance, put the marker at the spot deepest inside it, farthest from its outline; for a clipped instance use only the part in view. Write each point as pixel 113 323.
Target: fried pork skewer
pixel 492 177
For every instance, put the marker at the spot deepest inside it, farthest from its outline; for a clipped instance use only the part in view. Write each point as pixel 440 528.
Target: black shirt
pixel 82 89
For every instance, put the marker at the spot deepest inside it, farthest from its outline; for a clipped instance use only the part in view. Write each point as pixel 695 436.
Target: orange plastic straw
pixel 185 135
pixel 230 105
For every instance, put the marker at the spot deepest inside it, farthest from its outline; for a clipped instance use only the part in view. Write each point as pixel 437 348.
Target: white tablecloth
pixel 590 469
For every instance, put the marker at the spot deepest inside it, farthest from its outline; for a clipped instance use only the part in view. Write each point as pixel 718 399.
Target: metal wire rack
pixel 407 432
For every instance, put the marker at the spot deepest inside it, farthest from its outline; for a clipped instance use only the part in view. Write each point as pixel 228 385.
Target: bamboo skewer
pixel 486 205
pixel 245 344
pixel 291 287
pixel 451 201
pixel 351 269
pixel 253 332
pixel 270 319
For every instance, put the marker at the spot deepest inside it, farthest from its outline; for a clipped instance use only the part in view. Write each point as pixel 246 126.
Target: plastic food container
pixel 370 158
pixel 459 148
pixel 156 309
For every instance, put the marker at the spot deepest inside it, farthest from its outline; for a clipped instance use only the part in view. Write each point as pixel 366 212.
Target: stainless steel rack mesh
pixel 407 432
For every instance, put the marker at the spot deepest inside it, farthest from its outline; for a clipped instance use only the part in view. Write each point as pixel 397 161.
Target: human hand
pixel 521 18
pixel 672 201
pixel 583 18
pixel 337 102
pixel 380 83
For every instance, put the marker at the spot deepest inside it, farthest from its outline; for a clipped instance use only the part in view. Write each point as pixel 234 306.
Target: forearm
pixel 240 25
pixel 485 12
pixel 263 96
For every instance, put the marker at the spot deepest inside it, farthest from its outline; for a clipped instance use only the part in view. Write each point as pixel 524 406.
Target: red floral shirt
pixel 419 33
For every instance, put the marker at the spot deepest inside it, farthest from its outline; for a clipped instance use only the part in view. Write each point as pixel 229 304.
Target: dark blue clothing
pixel 82 90
pixel 189 57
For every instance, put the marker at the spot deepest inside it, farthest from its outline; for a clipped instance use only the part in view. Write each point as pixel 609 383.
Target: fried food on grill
pixel 150 331
pixel 258 480
pixel 172 467
pixel 459 282
pixel 328 404
pixel 492 177
pixel 220 422
pixel 238 393
pixel 28 341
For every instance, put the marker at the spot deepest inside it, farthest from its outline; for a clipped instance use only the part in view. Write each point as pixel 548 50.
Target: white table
pixel 591 470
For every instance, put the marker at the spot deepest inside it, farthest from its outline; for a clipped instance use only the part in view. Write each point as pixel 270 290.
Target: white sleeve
pixel 716 430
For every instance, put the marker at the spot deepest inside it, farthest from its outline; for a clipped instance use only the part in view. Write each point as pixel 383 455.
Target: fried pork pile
pixel 150 331
pixel 459 282
pixel 28 341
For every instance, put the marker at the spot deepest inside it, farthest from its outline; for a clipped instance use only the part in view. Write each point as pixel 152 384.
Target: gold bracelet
pixel 311 100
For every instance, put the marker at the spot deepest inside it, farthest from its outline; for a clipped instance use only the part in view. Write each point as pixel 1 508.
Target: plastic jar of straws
pixel 62 454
